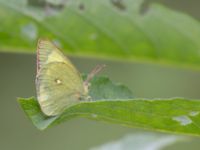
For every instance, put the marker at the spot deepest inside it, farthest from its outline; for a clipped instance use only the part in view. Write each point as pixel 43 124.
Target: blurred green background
pixel 17 77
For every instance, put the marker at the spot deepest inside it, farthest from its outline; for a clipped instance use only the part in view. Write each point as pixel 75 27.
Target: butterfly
pixel 58 83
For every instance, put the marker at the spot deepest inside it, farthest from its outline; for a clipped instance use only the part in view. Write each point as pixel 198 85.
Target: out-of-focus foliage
pixel 106 28
pixel 142 141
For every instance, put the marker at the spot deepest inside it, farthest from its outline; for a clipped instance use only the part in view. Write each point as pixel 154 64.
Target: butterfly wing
pixel 47 52
pixel 59 85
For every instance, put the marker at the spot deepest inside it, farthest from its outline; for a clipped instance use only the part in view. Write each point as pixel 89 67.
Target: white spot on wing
pixel 58 81
pixel 183 120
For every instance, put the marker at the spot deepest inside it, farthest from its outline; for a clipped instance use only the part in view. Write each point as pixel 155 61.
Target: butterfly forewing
pixel 47 52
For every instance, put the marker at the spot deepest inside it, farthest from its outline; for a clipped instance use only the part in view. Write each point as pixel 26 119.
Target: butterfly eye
pixel 58 81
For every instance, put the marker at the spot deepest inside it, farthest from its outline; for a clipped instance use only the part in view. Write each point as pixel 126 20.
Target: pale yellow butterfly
pixel 58 83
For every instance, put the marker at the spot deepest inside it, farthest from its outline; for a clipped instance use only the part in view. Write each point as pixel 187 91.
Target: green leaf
pixel 101 89
pixel 113 103
pixel 102 28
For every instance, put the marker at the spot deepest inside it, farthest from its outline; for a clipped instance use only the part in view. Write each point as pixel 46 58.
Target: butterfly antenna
pixel 94 71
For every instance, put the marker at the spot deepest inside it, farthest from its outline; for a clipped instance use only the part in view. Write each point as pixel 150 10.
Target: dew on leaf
pixel 183 120
pixel 194 113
